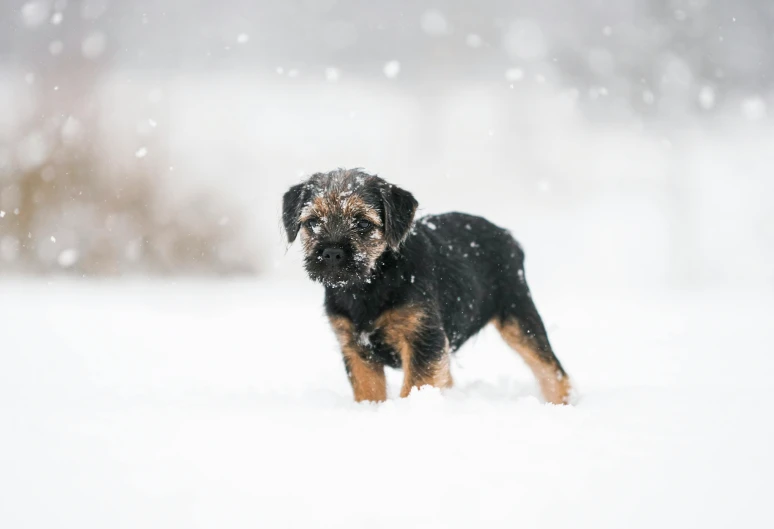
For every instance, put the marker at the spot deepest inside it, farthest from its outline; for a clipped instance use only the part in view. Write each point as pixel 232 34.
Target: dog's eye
pixel 312 223
pixel 363 225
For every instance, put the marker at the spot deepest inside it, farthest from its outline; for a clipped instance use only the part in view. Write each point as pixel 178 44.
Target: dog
pixel 407 294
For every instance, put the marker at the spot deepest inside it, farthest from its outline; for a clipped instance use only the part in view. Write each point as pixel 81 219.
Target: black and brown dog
pixel 407 294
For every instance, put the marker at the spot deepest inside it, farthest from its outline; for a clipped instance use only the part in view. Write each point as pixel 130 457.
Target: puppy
pixel 407 294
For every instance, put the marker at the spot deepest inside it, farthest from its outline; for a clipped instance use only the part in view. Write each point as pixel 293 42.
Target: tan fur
pixel 554 384
pixel 348 205
pixel 400 326
pixel 368 381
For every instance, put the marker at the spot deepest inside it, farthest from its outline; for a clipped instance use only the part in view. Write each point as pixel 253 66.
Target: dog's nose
pixel 333 256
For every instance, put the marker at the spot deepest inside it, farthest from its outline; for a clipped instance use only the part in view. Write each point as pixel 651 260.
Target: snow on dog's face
pixel 347 220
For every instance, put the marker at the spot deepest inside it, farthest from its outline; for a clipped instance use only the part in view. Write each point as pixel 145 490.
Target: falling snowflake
pixel 434 23
pixel 93 46
pixel 142 152
pixel 473 40
pixel 524 39
pixel 55 47
pixel 332 74
pixel 35 13
pixel 67 257
pixel 514 74
pixel 754 108
pixel 392 69
pixel 707 97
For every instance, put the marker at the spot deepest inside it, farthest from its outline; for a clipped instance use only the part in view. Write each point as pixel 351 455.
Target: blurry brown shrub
pixel 76 213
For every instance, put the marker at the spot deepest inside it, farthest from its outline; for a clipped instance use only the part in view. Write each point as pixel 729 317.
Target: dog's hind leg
pixel 522 329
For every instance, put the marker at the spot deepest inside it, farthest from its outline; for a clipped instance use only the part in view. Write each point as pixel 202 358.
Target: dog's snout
pixel 333 257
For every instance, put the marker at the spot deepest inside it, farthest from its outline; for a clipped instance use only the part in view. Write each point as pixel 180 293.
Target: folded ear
pixel 292 204
pixel 399 208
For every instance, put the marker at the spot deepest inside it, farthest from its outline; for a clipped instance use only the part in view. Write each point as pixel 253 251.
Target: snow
pixel 226 405
pixel 68 257
pixel 754 108
pixel 473 40
pixel 34 13
pixel 707 97
pixel 9 248
pixel 525 40
pixel 55 47
pixel 33 150
pixel 142 152
pixel 392 69
pixel 72 130
pixel 155 96
pixel 94 9
pixel 434 23
pixel 93 45
pixel 514 74
pixel 332 74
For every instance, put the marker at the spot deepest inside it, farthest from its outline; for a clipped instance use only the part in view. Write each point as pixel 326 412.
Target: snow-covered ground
pixel 221 405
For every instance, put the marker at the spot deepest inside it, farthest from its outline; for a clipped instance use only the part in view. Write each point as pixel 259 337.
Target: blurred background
pixel 625 143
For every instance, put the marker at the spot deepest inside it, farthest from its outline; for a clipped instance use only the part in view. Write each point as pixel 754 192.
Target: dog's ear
pixel 292 204
pixel 399 208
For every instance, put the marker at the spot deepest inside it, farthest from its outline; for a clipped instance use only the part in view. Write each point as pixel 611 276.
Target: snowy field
pixel 225 405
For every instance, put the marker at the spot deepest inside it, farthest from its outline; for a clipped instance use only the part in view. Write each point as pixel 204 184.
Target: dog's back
pixel 477 267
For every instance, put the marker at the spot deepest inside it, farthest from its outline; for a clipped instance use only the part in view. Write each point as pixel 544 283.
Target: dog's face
pixel 347 219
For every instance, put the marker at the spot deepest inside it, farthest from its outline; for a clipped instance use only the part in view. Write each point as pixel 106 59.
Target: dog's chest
pixel 375 348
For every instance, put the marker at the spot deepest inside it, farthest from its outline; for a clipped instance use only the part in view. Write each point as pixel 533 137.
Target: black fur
pixel 399 208
pixel 292 203
pixel 465 269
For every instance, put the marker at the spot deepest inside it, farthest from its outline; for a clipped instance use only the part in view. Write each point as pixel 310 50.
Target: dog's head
pixel 347 220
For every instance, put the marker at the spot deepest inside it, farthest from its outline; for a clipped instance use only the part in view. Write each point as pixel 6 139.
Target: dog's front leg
pixel 424 368
pixel 367 378
pixel 417 335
